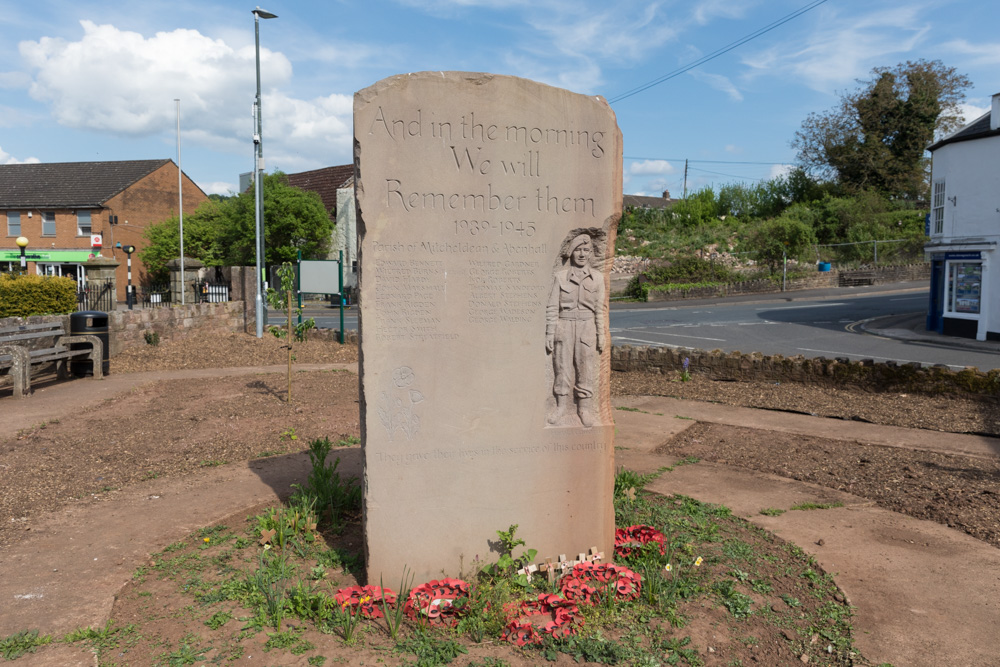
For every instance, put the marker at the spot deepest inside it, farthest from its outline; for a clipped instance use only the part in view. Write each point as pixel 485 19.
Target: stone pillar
pixel 185 283
pixel 97 271
pixel 243 287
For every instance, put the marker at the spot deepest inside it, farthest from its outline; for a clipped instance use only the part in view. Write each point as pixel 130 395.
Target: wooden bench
pixel 19 351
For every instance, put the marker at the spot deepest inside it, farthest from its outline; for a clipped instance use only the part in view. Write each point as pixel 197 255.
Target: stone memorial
pixel 487 213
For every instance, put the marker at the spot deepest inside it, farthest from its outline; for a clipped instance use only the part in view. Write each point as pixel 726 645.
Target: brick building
pixel 58 207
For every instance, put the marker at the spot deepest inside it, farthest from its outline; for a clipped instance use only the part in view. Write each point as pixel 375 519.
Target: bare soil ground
pixel 170 428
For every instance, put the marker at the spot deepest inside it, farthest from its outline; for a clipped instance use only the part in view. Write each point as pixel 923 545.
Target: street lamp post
pixel 22 243
pixel 257 168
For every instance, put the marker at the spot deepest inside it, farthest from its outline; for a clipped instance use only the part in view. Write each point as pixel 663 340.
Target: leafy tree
pixel 779 237
pixel 294 220
pixel 200 231
pixel 877 135
pixel 222 231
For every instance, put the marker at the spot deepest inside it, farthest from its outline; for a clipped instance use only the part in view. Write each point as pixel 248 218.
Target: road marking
pixel 814 305
pixel 720 340
pixel 910 298
pixel 872 356
pixel 647 342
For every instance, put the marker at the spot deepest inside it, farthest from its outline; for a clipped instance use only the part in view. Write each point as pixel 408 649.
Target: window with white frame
pixel 937 207
pixel 83 223
pixel 13 223
pixel 965 289
pixel 48 223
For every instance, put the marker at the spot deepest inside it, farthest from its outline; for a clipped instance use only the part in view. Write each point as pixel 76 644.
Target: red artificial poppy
pixel 548 614
pixel 627 584
pixel 632 539
pixel 368 599
pixel 436 601
pixel 575 589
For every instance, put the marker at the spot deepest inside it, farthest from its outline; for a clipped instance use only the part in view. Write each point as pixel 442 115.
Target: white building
pixel 964 230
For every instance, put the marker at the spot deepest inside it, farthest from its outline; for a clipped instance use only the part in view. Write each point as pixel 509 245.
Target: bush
pixel 689 270
pixel 23 296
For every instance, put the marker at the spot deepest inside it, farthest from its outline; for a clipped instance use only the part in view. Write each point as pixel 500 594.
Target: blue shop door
pixel 935 308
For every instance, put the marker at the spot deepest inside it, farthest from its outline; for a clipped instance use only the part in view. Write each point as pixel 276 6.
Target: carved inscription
pixel 473 453
pixel 408 300
pixel 504 292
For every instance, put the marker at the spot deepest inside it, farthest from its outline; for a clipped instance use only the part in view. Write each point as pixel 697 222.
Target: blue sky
pixel 96 79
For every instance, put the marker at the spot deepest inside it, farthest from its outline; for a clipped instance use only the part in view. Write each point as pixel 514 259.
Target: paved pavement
pixel 924 594
pixel 912 327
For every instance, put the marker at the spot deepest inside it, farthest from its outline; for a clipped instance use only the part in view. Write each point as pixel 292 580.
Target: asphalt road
pixel 816 323
pixel 816 327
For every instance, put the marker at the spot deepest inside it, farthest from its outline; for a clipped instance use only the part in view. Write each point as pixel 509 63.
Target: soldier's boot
pixel 585 410
pixel 559 412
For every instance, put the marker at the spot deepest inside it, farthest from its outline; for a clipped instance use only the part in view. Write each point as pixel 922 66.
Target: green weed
pixel 19 643
pixel 816 506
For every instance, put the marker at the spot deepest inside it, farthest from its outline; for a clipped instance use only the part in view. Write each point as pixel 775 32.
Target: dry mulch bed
pixel 960 492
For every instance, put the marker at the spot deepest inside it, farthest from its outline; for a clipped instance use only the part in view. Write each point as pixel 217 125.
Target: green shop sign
pixel 47 256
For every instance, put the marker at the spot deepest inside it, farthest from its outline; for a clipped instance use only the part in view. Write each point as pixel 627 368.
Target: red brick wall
pixel 150 200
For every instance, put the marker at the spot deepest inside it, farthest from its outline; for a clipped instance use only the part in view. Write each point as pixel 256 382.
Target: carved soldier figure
pixel 574 330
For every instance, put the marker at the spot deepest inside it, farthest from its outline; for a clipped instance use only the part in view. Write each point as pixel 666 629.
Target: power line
pixel 718 173
pixel 679 159
pixel 718 52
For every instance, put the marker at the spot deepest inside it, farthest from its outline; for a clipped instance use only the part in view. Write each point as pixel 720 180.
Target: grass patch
pixel 268 588
pixel 816 506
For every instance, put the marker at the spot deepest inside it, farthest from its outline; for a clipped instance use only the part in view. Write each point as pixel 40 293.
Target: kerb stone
pixel 487 213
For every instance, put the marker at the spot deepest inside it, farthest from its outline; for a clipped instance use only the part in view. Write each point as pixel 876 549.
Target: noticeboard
pixel 319 276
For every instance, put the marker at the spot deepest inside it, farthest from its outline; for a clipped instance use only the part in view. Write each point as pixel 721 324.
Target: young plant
pixel 324 487
pixel 685 374
pixel 348 618
pixel 394 616
pixel 507 566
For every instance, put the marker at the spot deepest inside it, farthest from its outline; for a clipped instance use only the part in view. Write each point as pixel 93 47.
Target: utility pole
pixel 685 178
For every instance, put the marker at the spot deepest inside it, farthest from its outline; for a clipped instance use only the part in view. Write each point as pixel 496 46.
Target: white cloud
pixel 219 188
pixel 777 170
pixel 706 10
pixel 7 158
pixel 971 112
pixel 566 46
pixel 842 49
pixel 124 83
pixel 734 149
pixel 976 54
pixel 719 82
pixel 651 167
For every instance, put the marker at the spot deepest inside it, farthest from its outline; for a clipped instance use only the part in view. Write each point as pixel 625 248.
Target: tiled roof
pixel 69 184
pixel 976 130
pixel 325 182
pixel 641 201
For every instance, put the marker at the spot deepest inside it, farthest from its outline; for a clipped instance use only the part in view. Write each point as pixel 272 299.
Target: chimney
pixel 666 193
pixel 995 113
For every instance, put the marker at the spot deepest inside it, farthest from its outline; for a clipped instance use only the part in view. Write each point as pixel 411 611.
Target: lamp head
pixel 22 242
pixel 263 14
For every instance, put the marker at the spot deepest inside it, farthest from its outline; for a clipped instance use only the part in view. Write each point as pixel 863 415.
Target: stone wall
pixel 840 372
pixel 881 275
pixel 129 327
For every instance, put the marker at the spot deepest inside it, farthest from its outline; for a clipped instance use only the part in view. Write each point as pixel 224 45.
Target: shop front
pixel 960 294
pixel 66 263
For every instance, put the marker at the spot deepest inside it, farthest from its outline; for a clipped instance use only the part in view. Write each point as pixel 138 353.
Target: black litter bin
pixel 94 323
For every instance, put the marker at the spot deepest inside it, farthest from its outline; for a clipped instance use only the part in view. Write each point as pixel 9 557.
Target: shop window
pixel 965 285
pixel 48 223
pixel 83 223
pixel 13 223
pixel 937 207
